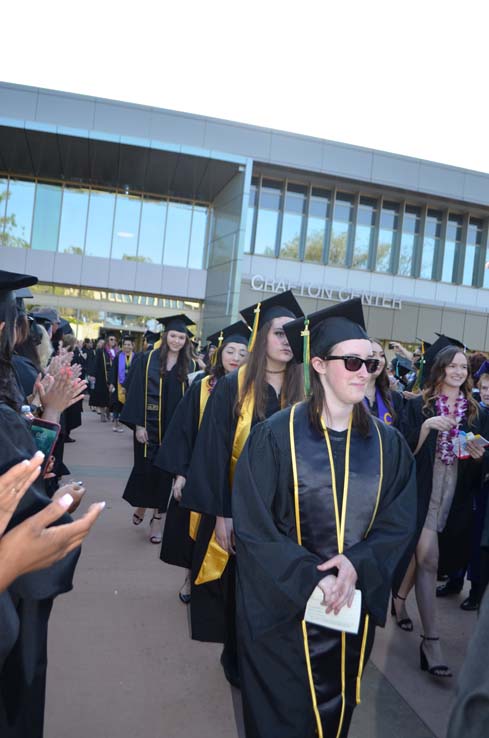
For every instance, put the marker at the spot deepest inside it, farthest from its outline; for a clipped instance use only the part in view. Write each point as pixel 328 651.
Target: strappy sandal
pixel 155 538
pixel 405 624
pixel 137 519
pixel 440 670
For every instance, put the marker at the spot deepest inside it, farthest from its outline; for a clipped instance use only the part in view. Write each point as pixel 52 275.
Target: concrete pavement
pixel 122 665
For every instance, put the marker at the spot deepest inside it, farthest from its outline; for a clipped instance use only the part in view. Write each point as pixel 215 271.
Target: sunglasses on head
pixel 354 363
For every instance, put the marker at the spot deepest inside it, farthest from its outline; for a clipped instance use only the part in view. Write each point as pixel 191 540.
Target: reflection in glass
pixel 431 243
pixel 3 203
pixel 340 232
pixel 389 222
pixel 409 240
pixel 73 221
pixel 177 235
pixel 100 221
pixel 198 237
pixel 319 213
pixel 268 215
pixel 453 244
pixel 20 206
pixel 250 217
pixel 47 213
pixel 364 233
pixel 152 231
pixel 474 240
pixel 295 204
pixel 126 227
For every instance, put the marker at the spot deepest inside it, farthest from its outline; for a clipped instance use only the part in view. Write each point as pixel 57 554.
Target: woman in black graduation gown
pixel 446 484
pixel 379 398
pixel 26 605
pixel 176 450
pixel 118 380
pixel 104 358
pixel 158 383
pixel 324 495
pixel 269 381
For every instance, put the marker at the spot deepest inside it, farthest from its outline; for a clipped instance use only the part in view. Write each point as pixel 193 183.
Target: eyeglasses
pixel 354 363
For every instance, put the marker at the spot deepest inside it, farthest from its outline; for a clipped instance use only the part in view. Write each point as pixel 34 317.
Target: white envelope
pixel 347 620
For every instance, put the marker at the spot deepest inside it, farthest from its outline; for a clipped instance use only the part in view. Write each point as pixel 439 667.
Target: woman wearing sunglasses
pixel 324 496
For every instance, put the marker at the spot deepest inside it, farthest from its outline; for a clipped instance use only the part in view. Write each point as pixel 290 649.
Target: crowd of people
pixel 301 480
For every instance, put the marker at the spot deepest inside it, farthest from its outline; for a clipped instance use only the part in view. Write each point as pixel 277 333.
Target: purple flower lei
pixel 445 438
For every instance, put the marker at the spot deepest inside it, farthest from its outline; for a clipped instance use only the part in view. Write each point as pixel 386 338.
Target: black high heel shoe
pixel 405 623
pixel 440 670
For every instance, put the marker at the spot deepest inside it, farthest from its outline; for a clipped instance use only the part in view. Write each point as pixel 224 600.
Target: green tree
pixel 128 257
pixel 8 227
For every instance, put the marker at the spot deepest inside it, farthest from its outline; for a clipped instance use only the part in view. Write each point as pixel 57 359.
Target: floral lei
pixel 445 438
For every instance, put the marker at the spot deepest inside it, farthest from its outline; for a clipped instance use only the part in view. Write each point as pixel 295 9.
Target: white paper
pixel 347 620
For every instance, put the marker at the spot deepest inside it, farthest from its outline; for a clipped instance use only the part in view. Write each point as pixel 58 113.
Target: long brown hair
pixel 382 383
pixel 184 360
pixel 255 377
pixel 433 386
pixel 317 401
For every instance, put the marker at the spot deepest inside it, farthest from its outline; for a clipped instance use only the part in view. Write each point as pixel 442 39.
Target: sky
pixel 406 77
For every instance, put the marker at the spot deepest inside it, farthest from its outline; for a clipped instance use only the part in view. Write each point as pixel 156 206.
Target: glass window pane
pixel 3 202
pixel 428 257
pixel 177 235
pixel 198 237
pixel 266 232
pixel 314 240
pixel 152 231
pixel 47 211
pixel 100 221
pixel 384 250
pixel 408 244
pixel 363 239
pixel 20 207
pixel 126 227
pixel 470 252
pixel 448 261
pixel 270 194
pixel 291 235
pixel 73 221
pixel 250 218
pixel 319 207
pixel 343 208
pixel 339 242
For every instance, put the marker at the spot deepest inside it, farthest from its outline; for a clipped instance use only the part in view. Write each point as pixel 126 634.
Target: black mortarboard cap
pixel 66 328
pixel 151 337
pixel 430 354
pixel 278 306
pixel 235 333
pixel 23 294
pixel 180 323
pixel 448 342
pixel 327 327
pixel 11 281
pixel 46 315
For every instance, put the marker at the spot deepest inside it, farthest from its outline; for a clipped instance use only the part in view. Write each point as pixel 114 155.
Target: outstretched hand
pixel 14 483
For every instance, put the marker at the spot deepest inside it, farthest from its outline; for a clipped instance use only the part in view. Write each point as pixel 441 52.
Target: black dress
pixel 291 672
pixel 208 491
pixel 100 396
pixel 25 606
pixel 150 402
pixel 455 539
pixel 120 388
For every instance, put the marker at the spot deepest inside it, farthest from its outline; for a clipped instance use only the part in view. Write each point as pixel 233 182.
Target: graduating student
pixel 384 403
pixel 158 383
pixel 104 358
pixel 269 381
pixel 324 495
pixel 175 452
pixel 118 376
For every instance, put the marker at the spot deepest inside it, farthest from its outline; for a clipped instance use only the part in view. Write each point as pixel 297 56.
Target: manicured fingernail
pixel 66 501
pixel 101 505
pixel 39 455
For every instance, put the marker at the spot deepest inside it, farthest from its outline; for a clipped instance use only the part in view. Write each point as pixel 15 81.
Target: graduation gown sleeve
pixel 384 555
pixel 133 411
pixel 276 575
pixel 207 489
pixel 175 453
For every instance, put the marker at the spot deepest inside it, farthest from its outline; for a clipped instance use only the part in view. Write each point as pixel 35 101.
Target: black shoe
pixel 440 670
pixel 470 603
pixel 405 623
pixel 230 671
pixel 68 439
pixel 451 587
pixel 184 598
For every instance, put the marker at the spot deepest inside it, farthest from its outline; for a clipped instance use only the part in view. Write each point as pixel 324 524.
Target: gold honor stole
pixel 205 392
pixel 121 392
pixel 325 529
pixel 216 558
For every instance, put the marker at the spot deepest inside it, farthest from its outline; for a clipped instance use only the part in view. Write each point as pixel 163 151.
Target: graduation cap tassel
pixel 254 331
pixel 219 344
pixel 306 356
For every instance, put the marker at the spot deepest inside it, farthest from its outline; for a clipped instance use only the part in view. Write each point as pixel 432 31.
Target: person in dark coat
pixel 119 376
pixel 104 358
pixel 431 424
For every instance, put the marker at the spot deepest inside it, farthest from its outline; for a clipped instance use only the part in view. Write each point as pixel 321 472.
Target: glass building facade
pixel 72 219
pixel 354 230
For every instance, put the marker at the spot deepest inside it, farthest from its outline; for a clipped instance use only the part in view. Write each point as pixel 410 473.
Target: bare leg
pixel 426 572
pixel 138 515
pixel 404 590
pixel 156 527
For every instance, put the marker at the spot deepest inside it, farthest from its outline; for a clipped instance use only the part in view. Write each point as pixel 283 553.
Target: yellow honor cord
pixel 219 344
pixel 306 355
pixel 254 331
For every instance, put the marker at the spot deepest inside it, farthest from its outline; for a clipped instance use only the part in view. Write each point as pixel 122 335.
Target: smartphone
pixel 391 346
pixel 45 435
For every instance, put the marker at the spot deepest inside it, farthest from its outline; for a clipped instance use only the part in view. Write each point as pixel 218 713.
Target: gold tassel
pixel 219 344
pixel 254 331
pixel 306 356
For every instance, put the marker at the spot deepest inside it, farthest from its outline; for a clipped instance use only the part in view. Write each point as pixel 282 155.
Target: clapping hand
pixel 14 483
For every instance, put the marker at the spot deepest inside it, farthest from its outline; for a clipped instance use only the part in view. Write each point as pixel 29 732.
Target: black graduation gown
pixel 397 405
pixel 25 606
pixel 73 414
pixel 26 373
pixel 174 456
pixel 103 363
pixel 147 485
pixel 208 491
pixel 455 539
pixel 116 404
pixel 276 575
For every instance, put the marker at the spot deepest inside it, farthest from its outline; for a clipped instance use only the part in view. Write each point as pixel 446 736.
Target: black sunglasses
pixel 354 363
